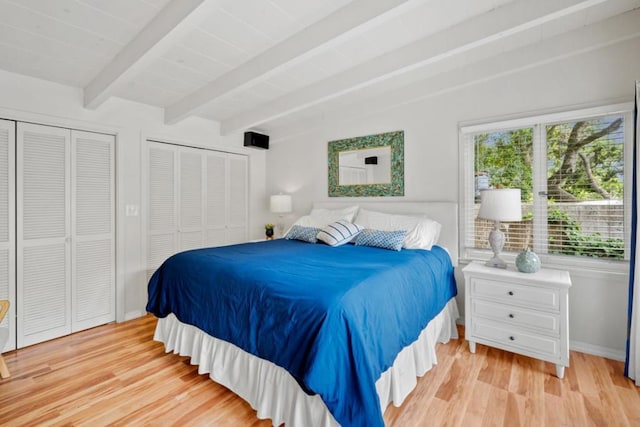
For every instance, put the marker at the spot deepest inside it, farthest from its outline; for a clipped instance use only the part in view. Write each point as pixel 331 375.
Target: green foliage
pixel 605 155
pixel 566 238
pixel 506 157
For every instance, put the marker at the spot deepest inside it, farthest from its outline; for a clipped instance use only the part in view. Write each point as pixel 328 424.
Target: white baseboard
pixel 597 350
pixel 134 314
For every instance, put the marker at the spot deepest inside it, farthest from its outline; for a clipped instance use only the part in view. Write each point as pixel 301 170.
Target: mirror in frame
pixel 358 166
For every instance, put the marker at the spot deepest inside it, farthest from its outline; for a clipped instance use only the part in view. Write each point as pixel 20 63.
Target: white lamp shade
pixel 500 205
pixel 281 203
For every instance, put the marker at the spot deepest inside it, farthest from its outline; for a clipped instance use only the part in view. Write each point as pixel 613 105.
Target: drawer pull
pixel 510 293
pixel 512 338
pixel 511 316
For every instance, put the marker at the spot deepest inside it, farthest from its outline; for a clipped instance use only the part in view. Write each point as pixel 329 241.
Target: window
pixel 570 168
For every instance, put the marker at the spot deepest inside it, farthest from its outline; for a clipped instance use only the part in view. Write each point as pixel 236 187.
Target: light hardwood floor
pixel 116 375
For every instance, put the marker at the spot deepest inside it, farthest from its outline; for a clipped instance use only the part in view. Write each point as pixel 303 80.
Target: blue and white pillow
pixel 338 233
pixel 305 234
pixel 391 240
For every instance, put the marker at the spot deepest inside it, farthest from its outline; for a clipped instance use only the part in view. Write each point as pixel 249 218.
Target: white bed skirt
pixel 273 392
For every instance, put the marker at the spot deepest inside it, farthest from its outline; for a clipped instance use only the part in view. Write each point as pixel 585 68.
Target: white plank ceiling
pixel 275 64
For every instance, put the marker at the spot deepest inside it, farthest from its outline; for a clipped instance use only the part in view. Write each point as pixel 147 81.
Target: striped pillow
pixel 338 233
pixel 305 234
pixel 391 240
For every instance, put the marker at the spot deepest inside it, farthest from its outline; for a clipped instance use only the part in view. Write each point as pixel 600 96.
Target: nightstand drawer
pixel 526 296
pixel 548 323
pixel 515 338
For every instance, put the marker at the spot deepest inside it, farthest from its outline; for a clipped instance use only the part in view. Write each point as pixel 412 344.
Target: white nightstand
pixel 519 312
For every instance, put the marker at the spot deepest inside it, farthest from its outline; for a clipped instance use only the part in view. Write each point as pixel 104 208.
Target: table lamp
pixel 499 205
pixel 280 204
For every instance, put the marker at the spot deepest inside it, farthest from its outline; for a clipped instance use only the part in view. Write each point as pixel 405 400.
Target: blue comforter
pixel 334 317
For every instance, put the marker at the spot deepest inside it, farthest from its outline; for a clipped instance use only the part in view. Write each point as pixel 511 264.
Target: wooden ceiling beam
pixel 350 19
pixel 612 31
pixel 494 25
pixel 169 25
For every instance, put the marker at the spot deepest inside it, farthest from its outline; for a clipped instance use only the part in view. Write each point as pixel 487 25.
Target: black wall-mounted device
pixel 256 140
pixel 373 160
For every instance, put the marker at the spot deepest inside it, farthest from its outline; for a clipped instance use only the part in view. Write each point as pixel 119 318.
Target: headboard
pixel 446 213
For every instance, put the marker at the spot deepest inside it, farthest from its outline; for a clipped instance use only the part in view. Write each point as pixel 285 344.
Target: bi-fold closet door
pixel 197 198
pixel 65 231
pixel 7 228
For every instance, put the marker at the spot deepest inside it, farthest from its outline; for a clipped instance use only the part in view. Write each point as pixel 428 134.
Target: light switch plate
pixel 132 210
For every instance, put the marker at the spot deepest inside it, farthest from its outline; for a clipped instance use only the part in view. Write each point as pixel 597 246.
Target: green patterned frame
pixel 395 140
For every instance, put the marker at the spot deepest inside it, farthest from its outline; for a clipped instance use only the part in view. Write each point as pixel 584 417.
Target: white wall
pixel 299 165
pixel 29 99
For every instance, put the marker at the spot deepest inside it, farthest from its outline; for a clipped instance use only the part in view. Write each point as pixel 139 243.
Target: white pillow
pixel 424 235
pixel 307 221
pixel 338 233
pixel 320 218
pixel 422 232
pixel 331 215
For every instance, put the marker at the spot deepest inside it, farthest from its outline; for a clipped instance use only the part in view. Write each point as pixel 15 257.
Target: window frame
pixel 537 122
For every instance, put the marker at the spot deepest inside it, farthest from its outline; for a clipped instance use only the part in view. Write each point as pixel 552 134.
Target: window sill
pixel 577 266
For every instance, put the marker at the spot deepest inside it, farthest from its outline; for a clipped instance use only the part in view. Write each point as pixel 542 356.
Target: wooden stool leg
pixel 4 371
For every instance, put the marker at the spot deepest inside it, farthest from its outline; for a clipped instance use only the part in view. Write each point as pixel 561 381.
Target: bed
pixel 311 334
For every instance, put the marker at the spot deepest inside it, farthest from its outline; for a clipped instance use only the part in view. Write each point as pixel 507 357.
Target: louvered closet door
pixel 216 196
pixel 43 227
pixel 92 230
pixel 7 228
pixel 162 225
pixel 237 217
pixel 191 230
